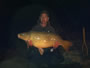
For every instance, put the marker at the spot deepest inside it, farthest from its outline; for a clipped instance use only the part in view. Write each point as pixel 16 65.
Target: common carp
pixel 42 40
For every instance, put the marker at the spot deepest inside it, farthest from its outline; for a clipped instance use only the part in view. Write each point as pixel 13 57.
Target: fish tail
pixel 66 45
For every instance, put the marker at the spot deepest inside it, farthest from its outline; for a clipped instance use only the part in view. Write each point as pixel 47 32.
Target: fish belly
pixel 43 44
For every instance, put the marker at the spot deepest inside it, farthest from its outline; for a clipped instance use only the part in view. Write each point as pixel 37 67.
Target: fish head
pixel 23 36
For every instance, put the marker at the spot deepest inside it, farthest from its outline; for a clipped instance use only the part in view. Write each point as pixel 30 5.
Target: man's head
pixel 44 18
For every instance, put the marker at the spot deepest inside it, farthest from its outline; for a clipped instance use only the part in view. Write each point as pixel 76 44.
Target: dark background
pixel 68 17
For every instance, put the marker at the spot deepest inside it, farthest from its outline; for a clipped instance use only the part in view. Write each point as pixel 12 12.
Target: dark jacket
pixel 39 28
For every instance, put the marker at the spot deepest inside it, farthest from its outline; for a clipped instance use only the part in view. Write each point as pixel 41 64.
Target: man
pixel 43 23
pixel 51 56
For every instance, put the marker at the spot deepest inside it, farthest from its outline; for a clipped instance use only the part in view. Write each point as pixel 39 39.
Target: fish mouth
pixel 21 37
pixel 18 35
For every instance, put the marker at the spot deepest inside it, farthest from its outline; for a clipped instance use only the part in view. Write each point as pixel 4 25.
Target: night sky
pixel 66 16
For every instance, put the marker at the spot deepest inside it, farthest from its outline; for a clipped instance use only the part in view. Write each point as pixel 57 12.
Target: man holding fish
pixel 45 46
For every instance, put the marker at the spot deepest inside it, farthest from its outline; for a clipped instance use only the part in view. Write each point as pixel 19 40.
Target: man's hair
pixel 44 11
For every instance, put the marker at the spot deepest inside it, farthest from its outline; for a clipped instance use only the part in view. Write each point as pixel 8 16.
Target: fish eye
pixel 23 34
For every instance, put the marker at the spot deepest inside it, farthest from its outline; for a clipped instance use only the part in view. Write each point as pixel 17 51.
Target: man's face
pixel 44 18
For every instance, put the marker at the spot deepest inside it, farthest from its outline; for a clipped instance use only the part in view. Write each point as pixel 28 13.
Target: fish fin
pixel 27 44
pixel 41 51
pixel 66 44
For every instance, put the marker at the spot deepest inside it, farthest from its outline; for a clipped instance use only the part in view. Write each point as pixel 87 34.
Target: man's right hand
pixel 29 43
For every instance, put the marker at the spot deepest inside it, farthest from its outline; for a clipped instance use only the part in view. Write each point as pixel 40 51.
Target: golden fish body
pixel 44 39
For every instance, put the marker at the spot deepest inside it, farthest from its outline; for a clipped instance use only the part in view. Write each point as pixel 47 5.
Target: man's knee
pixel 61 49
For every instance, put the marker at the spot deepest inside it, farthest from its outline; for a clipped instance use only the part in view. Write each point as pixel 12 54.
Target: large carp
pixel 42 40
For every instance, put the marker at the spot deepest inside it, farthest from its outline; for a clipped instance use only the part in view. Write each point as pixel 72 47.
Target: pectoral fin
pixel 27 44
pixel 41 50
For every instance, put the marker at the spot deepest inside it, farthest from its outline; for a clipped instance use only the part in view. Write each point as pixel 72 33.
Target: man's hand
pixel 29 43
pixel 56 45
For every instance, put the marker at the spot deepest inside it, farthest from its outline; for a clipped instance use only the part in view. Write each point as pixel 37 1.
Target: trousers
pixel 50 58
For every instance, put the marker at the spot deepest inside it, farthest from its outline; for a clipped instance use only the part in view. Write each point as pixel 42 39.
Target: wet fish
pixel 42 40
